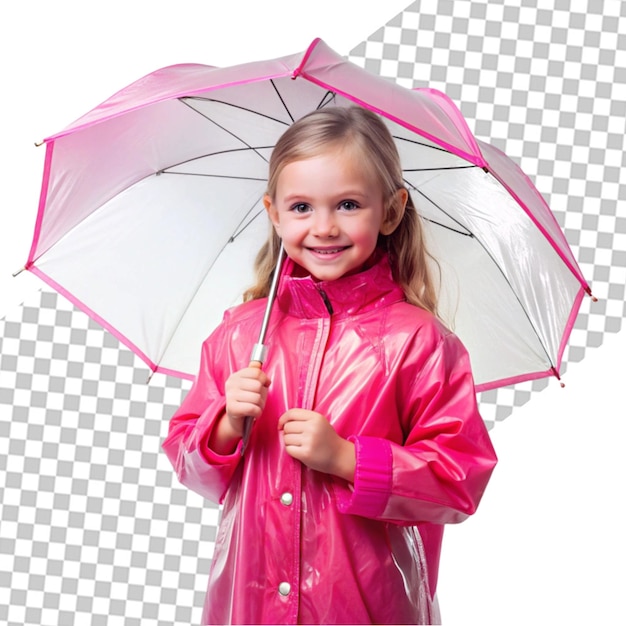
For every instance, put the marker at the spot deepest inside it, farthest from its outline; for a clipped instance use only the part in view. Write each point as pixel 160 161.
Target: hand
pixel 246 393
pixel 310 438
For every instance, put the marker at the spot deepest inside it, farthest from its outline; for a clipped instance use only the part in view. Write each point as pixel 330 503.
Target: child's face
pixel 328 214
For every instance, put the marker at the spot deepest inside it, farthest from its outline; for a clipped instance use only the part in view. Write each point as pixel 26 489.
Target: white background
pixel 547 545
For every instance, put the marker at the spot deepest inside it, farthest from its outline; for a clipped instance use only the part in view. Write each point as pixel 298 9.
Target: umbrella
pixel 150 212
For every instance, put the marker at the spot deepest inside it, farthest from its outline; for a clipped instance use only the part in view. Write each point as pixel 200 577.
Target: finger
pixel 240 385
pixel 294 428
pixel 240 402
pixel 249 399
pixel 252 373
pixel 257 366
pixel 240 410
pixel 298 452
pixel 249 392
pixel 292 440
pixel 294 415
pixel 247 386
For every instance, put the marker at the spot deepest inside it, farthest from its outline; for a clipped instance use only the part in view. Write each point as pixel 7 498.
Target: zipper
pixel 329 306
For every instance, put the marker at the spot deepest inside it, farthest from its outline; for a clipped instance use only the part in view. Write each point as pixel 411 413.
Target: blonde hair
pixel 369 138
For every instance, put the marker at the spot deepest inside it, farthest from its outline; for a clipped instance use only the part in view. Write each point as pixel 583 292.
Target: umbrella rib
pixel 209 154
pixel 281 100
pixel 229 104
pixel 467 232
pixel 331 95
pixel 230 177
pixel 504 276
pixel 426 145
pixel 454 230
pixel 238 232
pixel 206 117
pixel 327 98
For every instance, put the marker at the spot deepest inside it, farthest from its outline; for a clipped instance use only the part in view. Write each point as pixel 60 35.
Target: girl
pixel 367 438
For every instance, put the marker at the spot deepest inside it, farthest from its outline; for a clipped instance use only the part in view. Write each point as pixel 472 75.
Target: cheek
pixel 368 234
pixel 289 230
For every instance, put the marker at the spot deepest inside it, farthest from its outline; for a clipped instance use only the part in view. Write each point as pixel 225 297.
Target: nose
pixel 325 224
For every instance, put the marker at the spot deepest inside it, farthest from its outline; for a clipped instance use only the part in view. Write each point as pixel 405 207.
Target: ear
pixel 395 211
pixel 271 212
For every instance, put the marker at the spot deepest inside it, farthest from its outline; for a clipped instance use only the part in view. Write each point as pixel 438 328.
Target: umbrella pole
pixel 259 351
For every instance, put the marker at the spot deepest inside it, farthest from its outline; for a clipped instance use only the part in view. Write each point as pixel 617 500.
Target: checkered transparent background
pixel 94 527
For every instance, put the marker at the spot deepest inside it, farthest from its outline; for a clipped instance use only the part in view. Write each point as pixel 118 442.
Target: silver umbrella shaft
pixel 259 351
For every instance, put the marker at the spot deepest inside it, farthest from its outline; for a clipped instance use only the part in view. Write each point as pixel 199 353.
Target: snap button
pixel 284 589
pixel 287 498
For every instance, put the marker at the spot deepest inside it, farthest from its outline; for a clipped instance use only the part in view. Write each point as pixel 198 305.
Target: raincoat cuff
pixel 213 458
pixel 208 454
pixel 372 479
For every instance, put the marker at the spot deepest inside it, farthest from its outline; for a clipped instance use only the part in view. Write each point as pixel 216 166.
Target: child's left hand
pixel 310 438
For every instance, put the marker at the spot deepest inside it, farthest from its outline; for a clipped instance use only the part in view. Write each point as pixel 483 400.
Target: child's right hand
pixel 246 392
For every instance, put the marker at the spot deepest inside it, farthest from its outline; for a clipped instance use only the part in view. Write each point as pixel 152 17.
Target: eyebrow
pixel 348 194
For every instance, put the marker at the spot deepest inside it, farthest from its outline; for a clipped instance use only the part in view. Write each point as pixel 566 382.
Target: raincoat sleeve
pixel 197 466
pixel 440 472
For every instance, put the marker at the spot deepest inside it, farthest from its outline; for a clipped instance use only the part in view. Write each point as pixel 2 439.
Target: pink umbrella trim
pixel 102 322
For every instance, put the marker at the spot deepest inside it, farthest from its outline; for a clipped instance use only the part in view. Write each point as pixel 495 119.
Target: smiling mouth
pixel 328 251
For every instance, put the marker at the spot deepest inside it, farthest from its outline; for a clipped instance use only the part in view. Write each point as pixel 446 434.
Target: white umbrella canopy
pixel 150 213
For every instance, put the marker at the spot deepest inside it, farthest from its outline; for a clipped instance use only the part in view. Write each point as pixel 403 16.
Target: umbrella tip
pixel 588 290
pixel 556 374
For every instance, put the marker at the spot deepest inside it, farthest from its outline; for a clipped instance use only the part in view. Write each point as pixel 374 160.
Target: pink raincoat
pixel 300 546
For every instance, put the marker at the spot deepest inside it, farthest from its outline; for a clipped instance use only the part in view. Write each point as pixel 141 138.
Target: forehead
pixel 338 168
pixel 350 154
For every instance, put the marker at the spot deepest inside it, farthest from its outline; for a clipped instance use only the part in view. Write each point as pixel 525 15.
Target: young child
pixel 366 437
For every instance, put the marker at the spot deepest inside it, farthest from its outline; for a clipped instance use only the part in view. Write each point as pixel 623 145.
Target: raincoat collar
pixel 305 297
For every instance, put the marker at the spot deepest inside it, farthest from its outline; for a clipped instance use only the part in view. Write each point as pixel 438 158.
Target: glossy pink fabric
pixel 391 378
